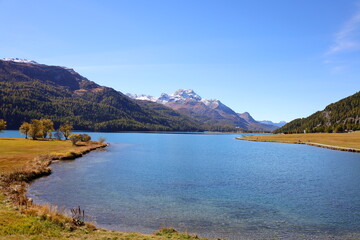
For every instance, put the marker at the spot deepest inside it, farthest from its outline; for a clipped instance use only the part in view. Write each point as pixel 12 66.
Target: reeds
pixel 78 216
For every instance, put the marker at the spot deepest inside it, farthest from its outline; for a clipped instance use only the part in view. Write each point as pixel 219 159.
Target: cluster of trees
pixel 75 138
pixel 43 128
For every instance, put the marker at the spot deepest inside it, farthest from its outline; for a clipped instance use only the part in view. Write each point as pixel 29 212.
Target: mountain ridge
pixel 343 115
pixel 29 90
pixel 211 111
pixel 278 124
pixel 33 90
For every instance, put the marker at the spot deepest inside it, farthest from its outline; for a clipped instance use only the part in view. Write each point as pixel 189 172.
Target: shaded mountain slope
pixel 255 125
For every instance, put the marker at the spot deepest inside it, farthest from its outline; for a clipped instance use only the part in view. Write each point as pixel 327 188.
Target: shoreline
pixel 53 224
pixel 314 144
pixel 39 167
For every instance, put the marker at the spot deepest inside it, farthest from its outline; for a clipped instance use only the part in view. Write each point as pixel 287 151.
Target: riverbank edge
pixel 39 167
pixel 14 185
pixel 338 148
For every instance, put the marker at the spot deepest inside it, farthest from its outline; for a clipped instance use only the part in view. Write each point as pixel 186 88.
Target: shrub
pixel 85 138
pixel 75 138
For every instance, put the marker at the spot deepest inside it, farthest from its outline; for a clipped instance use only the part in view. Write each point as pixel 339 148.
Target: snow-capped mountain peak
pixel 142 97
pixel 164 98
pixel 19 60
pixel 183 94
pixel 179 96
pixel 209 111
pixel 211 103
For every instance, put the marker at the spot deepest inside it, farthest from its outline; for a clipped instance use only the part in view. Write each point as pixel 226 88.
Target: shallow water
pixel 210 184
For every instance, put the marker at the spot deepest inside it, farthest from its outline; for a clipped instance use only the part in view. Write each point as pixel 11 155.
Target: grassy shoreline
pixel 22 161
pixel 349 142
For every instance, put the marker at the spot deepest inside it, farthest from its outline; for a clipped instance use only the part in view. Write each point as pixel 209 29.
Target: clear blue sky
pixel 278 60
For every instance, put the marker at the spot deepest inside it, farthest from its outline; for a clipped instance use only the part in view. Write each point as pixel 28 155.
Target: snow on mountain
pixel 211 103
pixel 164 98
pixel 210 111
pixel 179 96
pixel 183 94
pixel 131 95
pixel 19 60
pixel 142 97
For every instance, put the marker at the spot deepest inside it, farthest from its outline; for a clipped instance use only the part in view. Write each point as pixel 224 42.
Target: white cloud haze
pixel 347 39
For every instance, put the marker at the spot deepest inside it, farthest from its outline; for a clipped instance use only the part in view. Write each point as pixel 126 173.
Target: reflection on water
pixel 212 185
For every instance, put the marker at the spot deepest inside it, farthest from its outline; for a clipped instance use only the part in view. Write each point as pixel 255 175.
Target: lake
pixel 210 184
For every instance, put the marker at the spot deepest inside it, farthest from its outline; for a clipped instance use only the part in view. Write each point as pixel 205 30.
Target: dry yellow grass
pixel 344 140
pixel 15 153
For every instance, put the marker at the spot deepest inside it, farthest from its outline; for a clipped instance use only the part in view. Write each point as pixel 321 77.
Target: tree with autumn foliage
pixel 2 124
pixel 48 127
pixel 25 128
pixel 66 130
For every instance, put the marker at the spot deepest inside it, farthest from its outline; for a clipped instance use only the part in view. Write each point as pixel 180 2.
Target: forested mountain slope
pixel 336 117
pixel 29 90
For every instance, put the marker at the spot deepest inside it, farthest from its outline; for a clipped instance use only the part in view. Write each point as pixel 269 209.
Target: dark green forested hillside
pixel 336 117
pixel 33 91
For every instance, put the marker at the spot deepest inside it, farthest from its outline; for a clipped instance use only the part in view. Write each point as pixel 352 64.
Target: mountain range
pixel 29 90
pixel 343 115
pixel 209 111
pixel 279 124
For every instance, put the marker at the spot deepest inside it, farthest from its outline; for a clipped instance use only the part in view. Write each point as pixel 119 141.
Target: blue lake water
pixel 210 184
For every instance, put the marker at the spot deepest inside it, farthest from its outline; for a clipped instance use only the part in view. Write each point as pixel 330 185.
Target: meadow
pixel 336 140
